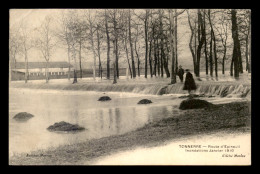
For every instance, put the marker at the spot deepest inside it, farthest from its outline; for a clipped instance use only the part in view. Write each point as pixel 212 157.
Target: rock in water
pixel 23 116
pixel 104 98
pixel 163 90
pixel 184 96
pixel 144 101
pixel 194 104
pixel 210 96
pixel 192 96
pixel 64 126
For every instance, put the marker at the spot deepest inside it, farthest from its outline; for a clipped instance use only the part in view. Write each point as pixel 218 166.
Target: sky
pixel 34 17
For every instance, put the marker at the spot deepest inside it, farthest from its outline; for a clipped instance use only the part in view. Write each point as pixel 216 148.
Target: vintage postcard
pixel 130 87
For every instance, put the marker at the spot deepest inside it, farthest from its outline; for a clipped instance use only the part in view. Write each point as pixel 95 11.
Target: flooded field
pixel 120 115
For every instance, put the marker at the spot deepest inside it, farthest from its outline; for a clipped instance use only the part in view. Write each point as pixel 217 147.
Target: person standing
pixel 180 73
pixel 189 83
pixel 75 77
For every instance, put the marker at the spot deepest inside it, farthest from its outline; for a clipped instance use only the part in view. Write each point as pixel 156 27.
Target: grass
pixel 228 117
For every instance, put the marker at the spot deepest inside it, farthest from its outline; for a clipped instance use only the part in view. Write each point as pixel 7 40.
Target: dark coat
pixel 180 72
pixel 189 83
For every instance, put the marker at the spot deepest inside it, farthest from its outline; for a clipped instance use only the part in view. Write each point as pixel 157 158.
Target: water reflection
pixel 110 119
pixel 117 119
pixel 100 119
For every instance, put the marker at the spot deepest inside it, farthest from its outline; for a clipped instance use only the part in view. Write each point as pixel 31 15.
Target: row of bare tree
pixel 147 36
pixel 213 29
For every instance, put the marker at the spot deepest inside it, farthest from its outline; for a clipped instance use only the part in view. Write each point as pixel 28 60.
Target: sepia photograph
pixel 125 86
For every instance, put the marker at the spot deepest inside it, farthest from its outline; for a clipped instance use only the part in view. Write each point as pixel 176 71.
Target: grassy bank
pixel 229 117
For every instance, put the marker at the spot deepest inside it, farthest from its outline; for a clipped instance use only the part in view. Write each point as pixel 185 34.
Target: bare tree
pixel 27 44
pixel 146 39
pixel 126 50
pixel 236 48
pixel 191 40
pixel 91 23
pixel 64 35
pixel 46 43
pixel 200 32
pixel 131 44
pixel 108 45
pixel 222 29
pixel 214 46
pixel 117 19
pixel 114 63
pixel 244 24
pixel 172 46
pixel 98 51
pixel 15 46
pixel 249 44
pixel 137 48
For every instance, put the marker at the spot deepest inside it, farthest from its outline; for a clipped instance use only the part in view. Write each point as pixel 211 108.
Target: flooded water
pixel 118 116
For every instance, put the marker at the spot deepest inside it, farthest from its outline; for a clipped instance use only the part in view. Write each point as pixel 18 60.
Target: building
pixel 37 70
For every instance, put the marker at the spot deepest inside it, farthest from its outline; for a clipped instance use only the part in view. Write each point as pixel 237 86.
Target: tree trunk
pixel 150 59
pixel 47 71
pixel 240 57
pixel 131 47
pixel 93 50
pixel 172 45
pixel 98 49
pixel 206 57
pixel 214 48
pixel 205 43
pixel 146 43
pixel 155 57
pixel 115 72
pixel 215 56
pixel 190 43
pixel 211 56
pixel 232 64
pixel 162 63
pixel 80 68
pixel 69 62
pixel 126 50
pixel 223 61
pixel 158 58
pixel 161 43
pixel 26 67
pixel 108 47
pixel 154 51
pixel 165 64
pixel 201 39
pixel 236 50
pixel 249 45
pixel 176 42
pixel 138 60
pixel 117 67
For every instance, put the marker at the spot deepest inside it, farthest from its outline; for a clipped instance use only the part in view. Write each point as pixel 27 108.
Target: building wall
pixel 42 70
pixel 64 75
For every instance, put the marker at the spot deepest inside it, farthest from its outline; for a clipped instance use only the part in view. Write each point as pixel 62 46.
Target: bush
pixel 194 104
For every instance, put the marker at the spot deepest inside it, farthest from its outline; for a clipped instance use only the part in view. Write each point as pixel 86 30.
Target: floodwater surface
pixel 117 116
pixel 100 119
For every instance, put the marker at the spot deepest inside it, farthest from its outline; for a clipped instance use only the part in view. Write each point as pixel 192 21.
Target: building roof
pixel 35 65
